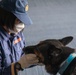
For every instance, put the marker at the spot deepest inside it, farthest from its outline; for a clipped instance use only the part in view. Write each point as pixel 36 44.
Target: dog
pixel 52 53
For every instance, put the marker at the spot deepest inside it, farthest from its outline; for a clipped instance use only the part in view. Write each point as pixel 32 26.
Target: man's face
pixel 17 21
pixel 18 26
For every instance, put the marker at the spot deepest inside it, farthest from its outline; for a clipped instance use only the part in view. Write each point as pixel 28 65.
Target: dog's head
pixel 51 52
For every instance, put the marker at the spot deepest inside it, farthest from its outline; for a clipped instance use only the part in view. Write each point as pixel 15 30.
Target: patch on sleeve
pixel 18 40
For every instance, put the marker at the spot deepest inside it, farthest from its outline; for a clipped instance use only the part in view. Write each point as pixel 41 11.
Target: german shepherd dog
pixel 52 53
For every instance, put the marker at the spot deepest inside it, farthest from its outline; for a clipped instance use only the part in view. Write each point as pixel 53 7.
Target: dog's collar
pixel 66 63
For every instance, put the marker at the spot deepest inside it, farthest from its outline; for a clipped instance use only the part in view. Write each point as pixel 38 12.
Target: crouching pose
pixel 13 18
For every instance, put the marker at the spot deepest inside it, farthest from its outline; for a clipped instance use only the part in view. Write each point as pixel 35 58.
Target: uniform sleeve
pixel 5 70
pixel 0 62
pixel 23 38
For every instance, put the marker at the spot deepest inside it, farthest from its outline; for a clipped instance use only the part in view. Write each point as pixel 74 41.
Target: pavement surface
pixel 52 19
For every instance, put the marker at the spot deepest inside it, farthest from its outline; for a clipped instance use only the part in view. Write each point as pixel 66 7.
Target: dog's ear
pixel 66 40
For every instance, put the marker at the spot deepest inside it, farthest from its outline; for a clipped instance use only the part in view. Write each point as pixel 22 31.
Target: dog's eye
pixel 55 52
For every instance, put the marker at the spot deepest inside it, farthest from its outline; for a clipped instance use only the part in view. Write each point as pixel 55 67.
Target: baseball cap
pixel 19 8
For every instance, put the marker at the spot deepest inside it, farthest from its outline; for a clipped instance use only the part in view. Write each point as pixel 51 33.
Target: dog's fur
pixel 52 53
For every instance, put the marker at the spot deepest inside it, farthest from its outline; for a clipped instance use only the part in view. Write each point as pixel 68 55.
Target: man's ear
pixel 66 40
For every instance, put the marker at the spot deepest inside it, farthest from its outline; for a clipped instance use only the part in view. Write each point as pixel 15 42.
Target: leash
pixel 66 63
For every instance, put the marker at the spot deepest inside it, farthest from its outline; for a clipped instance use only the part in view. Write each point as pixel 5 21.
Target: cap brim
pixel 24 18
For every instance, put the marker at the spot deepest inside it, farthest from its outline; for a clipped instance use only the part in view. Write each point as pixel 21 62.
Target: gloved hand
pixel 28 60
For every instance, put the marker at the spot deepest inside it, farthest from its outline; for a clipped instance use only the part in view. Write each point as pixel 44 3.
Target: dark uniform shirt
pixel 10 50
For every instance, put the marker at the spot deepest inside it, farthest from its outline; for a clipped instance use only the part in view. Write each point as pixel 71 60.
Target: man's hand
pixel 28 60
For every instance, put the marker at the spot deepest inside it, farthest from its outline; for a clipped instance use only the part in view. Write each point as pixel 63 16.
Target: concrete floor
pixel 51 19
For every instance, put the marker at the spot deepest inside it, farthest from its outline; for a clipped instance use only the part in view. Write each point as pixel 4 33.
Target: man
pixel 13 18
